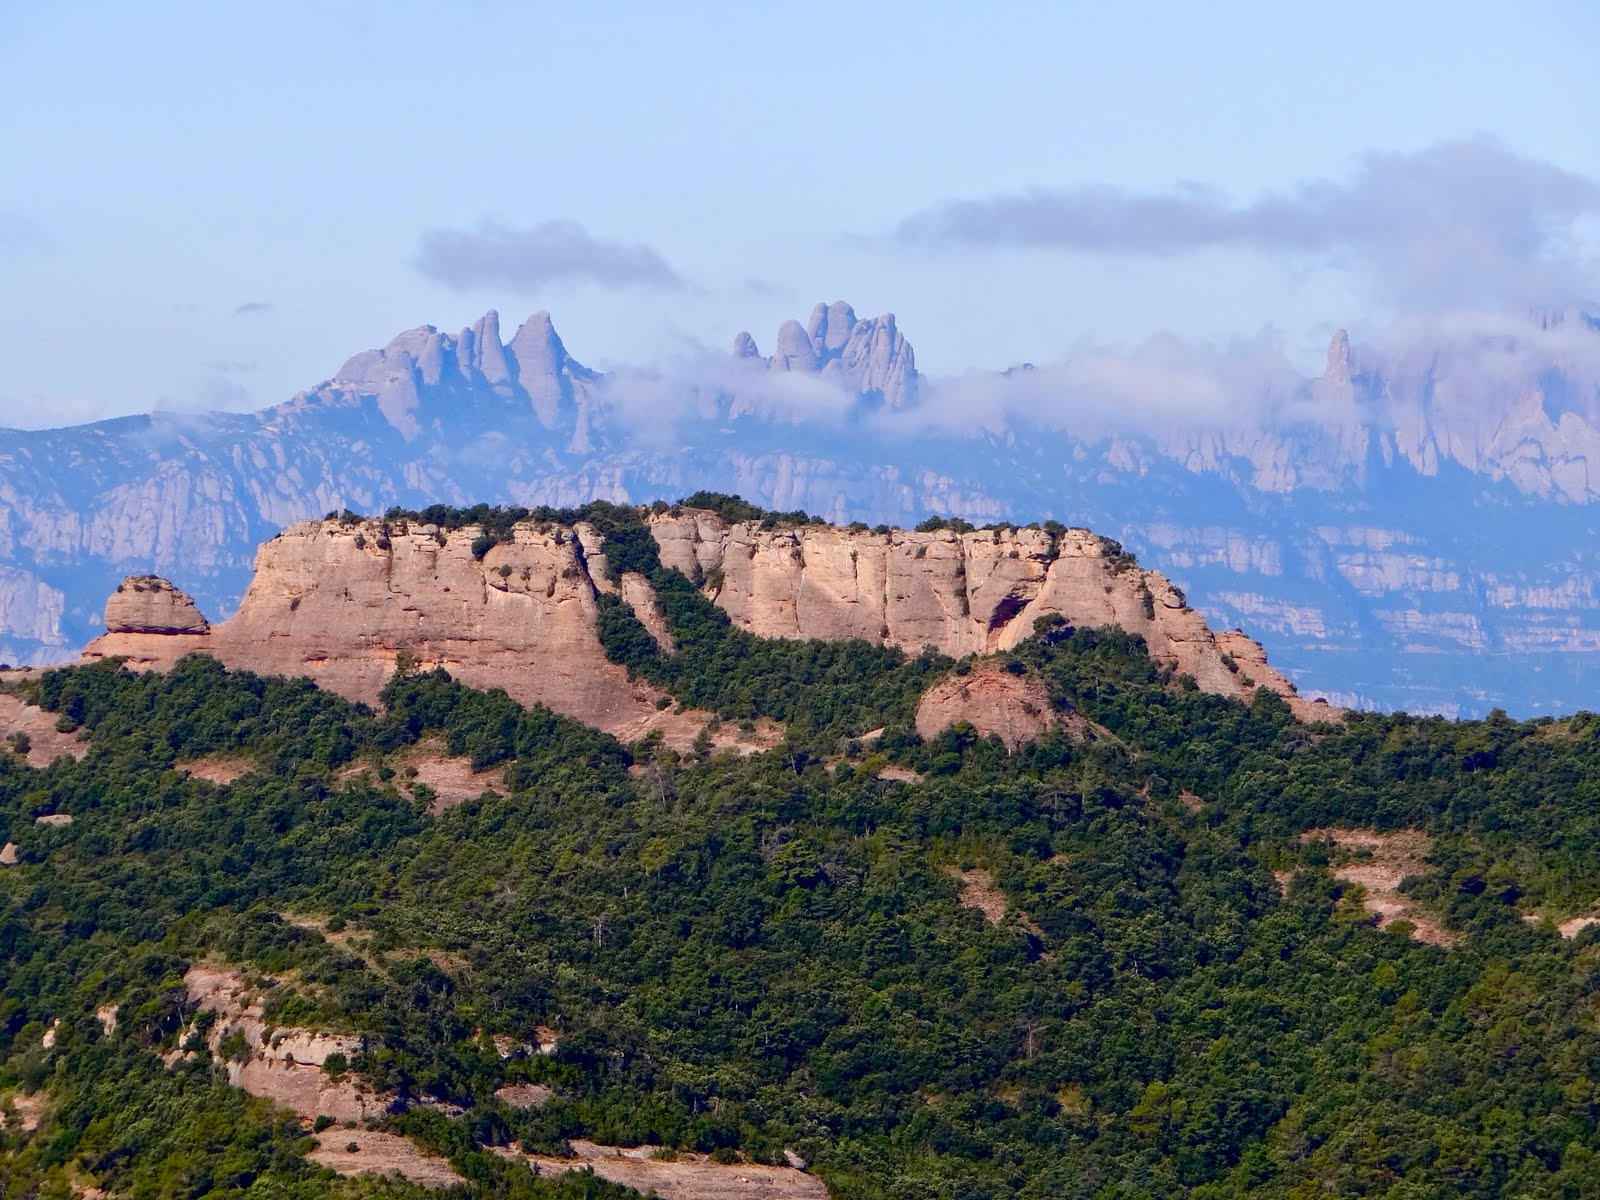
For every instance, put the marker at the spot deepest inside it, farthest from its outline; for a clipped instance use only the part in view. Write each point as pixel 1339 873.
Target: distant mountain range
pixel 1415 527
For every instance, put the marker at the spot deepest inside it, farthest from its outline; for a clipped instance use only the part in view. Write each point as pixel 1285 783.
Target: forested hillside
pixel 1108 967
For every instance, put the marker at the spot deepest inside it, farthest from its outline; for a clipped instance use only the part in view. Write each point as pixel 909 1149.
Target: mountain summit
pixel 867 358
pixel 422 377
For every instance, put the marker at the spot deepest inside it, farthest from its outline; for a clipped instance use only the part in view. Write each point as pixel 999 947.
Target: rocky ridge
pixel 1412 527
pixel 974 592
pixel 339 601
pixel 866 358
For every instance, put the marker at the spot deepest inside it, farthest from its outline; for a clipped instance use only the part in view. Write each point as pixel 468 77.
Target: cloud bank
pixel 526 260
pixel 1166 383
pixel 1465 223
pixel 653 404
pixel 1471 369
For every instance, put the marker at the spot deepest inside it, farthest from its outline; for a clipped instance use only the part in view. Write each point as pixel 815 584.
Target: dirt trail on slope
pixel 683 1177
pixel 1391 857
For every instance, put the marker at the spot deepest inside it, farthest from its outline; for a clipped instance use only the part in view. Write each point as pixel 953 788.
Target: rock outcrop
pixel 288 1066
pixel 1015 707
pixel 864 358
pixel 283 1064
pixel 961 593
pixel 149 604
pixel 338 601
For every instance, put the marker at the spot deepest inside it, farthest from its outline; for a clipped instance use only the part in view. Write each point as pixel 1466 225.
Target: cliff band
pixel 339 601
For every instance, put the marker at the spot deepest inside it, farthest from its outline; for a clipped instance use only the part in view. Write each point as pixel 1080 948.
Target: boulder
pixel 149 604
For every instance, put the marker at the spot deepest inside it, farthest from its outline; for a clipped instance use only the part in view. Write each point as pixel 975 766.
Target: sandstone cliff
pixel 339 601
pixel 961 593
pixel 995 702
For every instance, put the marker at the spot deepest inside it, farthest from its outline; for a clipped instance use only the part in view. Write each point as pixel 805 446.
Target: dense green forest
pixel 748 955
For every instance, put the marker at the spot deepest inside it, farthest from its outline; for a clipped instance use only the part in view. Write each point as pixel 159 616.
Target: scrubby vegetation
pixel 769 953
pixel 622 525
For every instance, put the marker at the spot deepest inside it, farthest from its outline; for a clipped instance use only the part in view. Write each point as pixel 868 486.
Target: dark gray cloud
pixel 1460 223
pixel 528 259
pixel 251 308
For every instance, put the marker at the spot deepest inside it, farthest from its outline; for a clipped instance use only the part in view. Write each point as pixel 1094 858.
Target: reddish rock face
pixel 1016 708
pixel 149 604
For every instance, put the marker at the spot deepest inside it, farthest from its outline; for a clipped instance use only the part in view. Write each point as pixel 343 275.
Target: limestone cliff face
pixel 961 593
pixel 30 617
pixel 338 602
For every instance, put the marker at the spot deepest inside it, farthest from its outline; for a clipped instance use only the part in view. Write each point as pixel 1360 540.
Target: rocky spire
pixel 540 365
pixel 867 358
pixel 481 351
pixel 793 352
pixel 1337 372
pixel 830 327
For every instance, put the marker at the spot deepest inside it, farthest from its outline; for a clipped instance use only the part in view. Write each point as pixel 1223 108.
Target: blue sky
pixel 213 204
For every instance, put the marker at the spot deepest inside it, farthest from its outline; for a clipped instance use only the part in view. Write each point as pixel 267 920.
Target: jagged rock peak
pixel 1338 369
pixel 541 362
pixel 868 357
pixel 481 353
pixel 534 367
pixel 744 346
